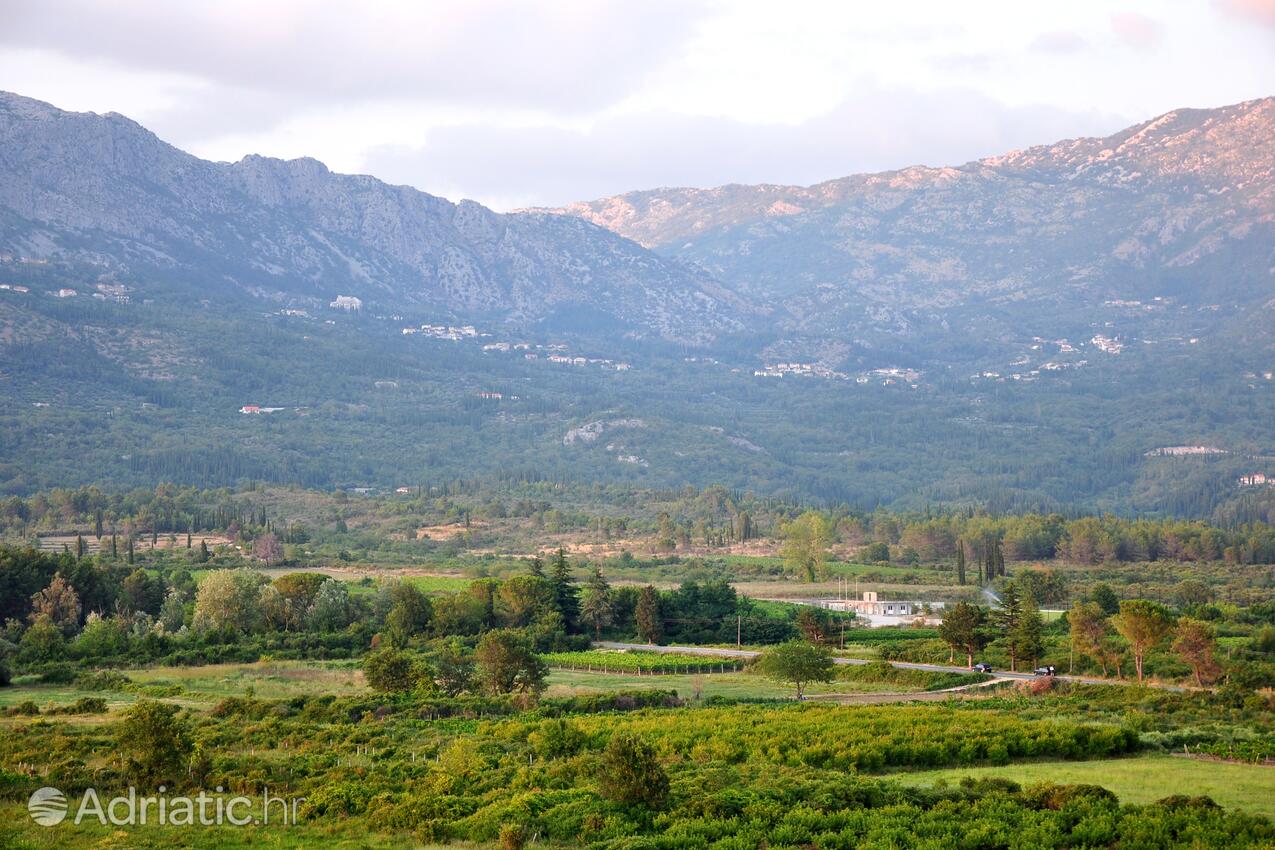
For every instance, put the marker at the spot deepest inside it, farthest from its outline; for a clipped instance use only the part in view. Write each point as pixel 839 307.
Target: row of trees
pixel 713 516
pixel 1097 631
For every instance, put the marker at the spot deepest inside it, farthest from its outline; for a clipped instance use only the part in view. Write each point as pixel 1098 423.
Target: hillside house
pixel 348 303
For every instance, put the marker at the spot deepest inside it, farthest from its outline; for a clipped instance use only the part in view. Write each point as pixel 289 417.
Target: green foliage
pixel 962 629
pixel 805 548
pixel 155 741
pixel 506 664
pixel 798 663
pixel 394 671
pixel 630 773
pixel 640 662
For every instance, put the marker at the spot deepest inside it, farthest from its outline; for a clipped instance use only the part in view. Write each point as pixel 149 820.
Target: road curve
pixel 903 665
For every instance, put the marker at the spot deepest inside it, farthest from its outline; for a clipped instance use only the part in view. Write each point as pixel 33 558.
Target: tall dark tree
pixel 596 608
pixel 960 561
pixel 565 594
pixel 1006 620
pixel 650 623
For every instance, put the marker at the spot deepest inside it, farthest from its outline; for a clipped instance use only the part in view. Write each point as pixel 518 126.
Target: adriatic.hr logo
pixel 50 807
pixel 47 806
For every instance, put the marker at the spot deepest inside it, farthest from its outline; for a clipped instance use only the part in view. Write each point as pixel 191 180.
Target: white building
pixel 348 303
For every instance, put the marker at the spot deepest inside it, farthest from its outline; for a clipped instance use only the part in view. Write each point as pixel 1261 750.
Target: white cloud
pixel 871 130
pixel 520 103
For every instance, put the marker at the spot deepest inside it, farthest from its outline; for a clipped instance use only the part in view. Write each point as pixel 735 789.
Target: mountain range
pixel 996 332
pixel 104 190
pixel 1180 205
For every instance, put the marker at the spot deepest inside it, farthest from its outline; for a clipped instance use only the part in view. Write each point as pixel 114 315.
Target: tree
pixel 813 624
pixel 1006 618
pixel 409 615
pixel 1106 598
pixel 1088 631
pixel 525 598
pixel 101 638
pixel 797 663
pixel 630 773
pixel 331 610
pixel 204 554
pixel 172 614
pixel 595 604
pixel 1192 593
pixel 278 612
pixel 960 561
pixel 140 593
pixel 229 599
pixel 266 548
pixel 42 642
pixel 805 547
pixel 506 663
pixel 537 567
pixel 1195 643
pixel 301 588
pixel 962 630
pixel 1144 624
pixel 58 603
pixel 650 624
pixel 155 741
pixel 394 671
pixel 1026 637
pixel 453 667
pixel 566 597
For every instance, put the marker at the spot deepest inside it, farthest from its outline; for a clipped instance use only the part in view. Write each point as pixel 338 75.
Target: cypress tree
pixel 566 598
pixel 960 561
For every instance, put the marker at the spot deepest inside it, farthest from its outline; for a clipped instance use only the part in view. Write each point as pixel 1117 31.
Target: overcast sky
pixel 521 103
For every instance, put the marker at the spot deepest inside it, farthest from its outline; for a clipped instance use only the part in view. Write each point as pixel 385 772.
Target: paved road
pixel 934 668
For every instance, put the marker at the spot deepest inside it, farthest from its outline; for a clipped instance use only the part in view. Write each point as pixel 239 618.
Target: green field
pixel 728 685
pixel 1135 780
pixel 202 686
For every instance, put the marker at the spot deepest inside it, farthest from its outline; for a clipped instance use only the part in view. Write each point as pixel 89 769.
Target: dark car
pixel 1047 670
pixel 982 667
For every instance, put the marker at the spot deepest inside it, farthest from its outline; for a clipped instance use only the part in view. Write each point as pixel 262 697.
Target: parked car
pixel 982 667
pixel 1047 670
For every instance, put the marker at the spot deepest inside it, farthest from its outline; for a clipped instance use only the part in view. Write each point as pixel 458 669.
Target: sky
pixel 518 104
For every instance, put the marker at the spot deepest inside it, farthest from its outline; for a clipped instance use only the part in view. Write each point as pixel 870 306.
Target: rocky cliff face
pixel 1185 202
pixel 105 190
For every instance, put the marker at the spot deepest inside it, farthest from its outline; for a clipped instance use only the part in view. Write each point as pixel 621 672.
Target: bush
pixel 155 742
pixel 630 773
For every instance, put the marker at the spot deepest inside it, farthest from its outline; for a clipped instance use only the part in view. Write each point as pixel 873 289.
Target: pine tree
pixel 595 605
pixel 1006 620
pixel 566 597
pixel 537 568
pixel 650 624
pixel 1027 636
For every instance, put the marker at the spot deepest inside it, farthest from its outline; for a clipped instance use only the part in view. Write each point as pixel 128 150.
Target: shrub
pixel 630 773
pixel 155 742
